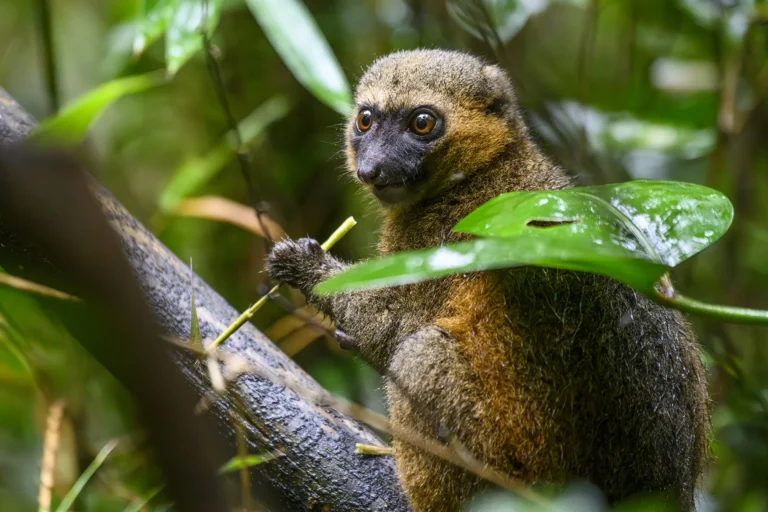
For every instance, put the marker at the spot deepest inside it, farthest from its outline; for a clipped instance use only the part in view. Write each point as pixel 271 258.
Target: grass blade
pixel 83 479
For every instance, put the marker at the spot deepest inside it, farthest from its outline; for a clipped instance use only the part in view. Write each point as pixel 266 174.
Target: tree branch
pixel 318 468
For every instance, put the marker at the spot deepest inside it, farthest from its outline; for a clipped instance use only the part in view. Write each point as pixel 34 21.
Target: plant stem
pixel 23 285
pixel 723 313
pixel 69 499
pixel 240 150
pixel 372 449
pixel 248 313
pixel 49 57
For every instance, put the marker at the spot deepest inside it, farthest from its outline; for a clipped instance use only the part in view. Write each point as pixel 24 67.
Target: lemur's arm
pixel 363 316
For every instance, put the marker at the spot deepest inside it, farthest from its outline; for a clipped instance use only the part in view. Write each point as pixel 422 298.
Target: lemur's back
pixel 621 376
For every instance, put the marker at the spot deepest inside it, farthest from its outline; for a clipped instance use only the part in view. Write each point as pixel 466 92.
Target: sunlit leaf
pixel 184 37
pixel 662 221
pixel 491 253
pixel 197 171
pixel 485 19
pixel 633 232
pixel 297 39
pixel 154 18
pixel 236 463
pixel 72 123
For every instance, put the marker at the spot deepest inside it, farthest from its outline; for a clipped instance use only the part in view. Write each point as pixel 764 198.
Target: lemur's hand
pixel 301 263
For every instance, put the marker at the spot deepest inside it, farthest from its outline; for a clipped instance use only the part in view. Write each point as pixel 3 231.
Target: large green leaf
pixel 184 37
pixel 72 123
pixel 661 221
pixel 297 39
pixel 633 232
pixel 196 171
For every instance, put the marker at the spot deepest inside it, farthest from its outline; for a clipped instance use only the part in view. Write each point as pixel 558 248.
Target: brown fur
pixel 547 375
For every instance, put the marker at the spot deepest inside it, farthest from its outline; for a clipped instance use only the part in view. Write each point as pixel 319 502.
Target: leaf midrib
pixel 627 223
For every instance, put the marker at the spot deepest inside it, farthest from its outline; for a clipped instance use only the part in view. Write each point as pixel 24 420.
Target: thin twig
pixel 248 313
pixel 463 460
pixel 241 151
pixel 372 449
pixel 50 446
pixel 23 285
pixel 498 47
pixel 236 365
pixel 49 58
pixel 307 320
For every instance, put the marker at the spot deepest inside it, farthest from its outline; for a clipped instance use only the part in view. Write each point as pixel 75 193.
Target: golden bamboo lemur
pixel 544 374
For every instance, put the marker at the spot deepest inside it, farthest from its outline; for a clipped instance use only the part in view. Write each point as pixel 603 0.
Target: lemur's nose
pixel 368 174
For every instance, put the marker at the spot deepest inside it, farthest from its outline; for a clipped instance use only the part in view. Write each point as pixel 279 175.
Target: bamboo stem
pixel 248 313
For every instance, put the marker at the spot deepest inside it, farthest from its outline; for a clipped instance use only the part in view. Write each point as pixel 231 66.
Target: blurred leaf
pixel 72 123
pixel 482 18
pixel 17 363
pixel 142 504
pixel 295 36
pixel 184 36
pixel 69 499
pixel 632 232
pixel 236 463
pixel 196 171
pixel 221 209
pixel 153 21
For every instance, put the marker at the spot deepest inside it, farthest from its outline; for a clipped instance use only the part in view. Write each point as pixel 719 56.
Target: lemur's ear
pixel 500 92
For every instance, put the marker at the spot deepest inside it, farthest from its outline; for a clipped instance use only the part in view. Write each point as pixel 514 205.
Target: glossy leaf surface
pixel 184 37
pixel 295 36
pixel 633 232
pixel 662 221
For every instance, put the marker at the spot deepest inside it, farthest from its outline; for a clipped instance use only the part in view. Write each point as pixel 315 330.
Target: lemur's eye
pixel 364 120
pixel 423 123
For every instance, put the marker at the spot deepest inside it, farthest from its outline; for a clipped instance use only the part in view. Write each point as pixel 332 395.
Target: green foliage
pixel 71 125
pixel 154 17
pixel 295 36
pixel 196 171
pixel 236 463
pixel 184 39
pixel 612 90
pixel 183 22
pixel 507 17
pixel 633 232
pixel 69 499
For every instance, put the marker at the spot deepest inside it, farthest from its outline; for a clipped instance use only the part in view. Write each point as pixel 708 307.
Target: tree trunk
pixel 318 469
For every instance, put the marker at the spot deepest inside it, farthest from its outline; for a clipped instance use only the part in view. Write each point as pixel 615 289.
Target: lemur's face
pixel 425 119
pixel 390 148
